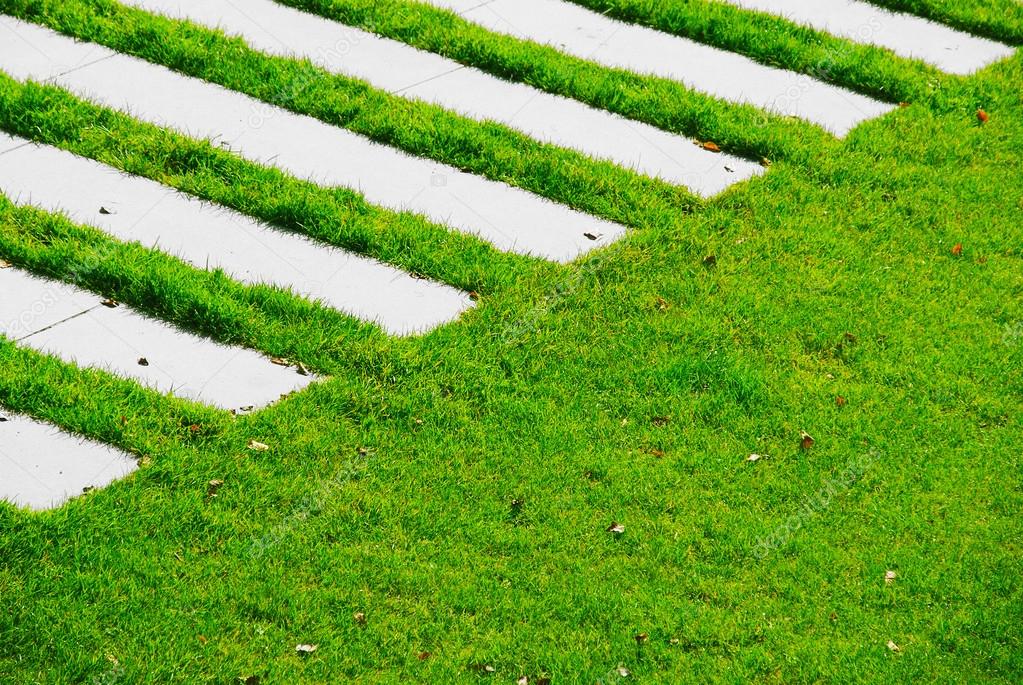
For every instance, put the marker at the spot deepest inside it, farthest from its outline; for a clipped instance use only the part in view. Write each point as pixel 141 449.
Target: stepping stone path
pixel 134 209
pixel 42 466
pixel 402 70
pixel 594 37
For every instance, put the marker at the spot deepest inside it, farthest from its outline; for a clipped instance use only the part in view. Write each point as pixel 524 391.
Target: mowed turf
pixel 439 507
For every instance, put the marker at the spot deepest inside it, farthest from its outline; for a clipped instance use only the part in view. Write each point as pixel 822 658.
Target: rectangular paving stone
pixel 510 218
pixel 595 37
pixel 75 326
pixel 904 34
pixel 398 68
pixel 134 209
pixel 43 303
pixel 42 467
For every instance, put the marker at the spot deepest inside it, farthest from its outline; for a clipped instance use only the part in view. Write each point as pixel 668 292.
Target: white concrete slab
pixel 398 68
pixel 130 345
pixel 7 143
pixel 510 218
pixel 591 36
pixel 42 467
pixel 135 209
pixel 41 305
pixel 904 34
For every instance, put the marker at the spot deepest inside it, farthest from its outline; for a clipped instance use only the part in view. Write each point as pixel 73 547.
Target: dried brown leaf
pixel 806 440
pixel 213 487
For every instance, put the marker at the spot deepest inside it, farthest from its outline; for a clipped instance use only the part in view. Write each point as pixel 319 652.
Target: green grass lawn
pixel 439 508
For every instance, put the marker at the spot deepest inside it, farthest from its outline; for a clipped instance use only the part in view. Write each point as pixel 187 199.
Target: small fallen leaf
pixel 623 672
pixel 841 401
pixel 486 669
pixel 806 441
pixel 524 680
pixel 258 446
pixel 195 429
pixel 903 105
pixel 592 236
pixel 710 147
pixel 660 421
pixel 423 656
pixel 642 638
pixel 957 249
pixel 616 528
pixel 833 617
pixel 360 618
pixel 143 361
pixel 306 649
pixel 214 486
pixel 4 264
pixel 889 577
pixel 754 457
pixel 249 680
pixel 982 116
pixel 674 641
pixel 710 261
pixel 104 211
pixel 110 303
pixel 280 361
pixel 474 296
pixel 202 639
pixel 894 647
pixel 663 304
